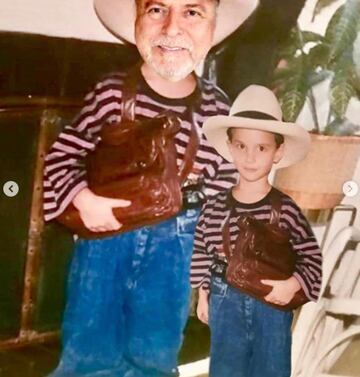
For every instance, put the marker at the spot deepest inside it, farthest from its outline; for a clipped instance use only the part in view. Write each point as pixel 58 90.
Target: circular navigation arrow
pixel 350 188
pixel 10 188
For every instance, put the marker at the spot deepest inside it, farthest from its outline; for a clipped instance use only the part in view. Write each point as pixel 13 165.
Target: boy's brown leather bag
pixel 262 251
pixel 136 160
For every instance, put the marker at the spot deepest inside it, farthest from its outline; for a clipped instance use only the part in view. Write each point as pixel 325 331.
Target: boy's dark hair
pixel 279 139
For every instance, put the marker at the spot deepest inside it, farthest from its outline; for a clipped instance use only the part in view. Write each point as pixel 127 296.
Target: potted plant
pixel 307 60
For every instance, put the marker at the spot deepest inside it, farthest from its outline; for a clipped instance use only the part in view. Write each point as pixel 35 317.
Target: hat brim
pixel 296 139
pixel 118 16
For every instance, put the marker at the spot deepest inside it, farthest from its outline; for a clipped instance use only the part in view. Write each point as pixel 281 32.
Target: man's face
pixel 173 36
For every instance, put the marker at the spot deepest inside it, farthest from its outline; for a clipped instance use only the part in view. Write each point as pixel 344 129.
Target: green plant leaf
pixel 282 74
pixel 291 87
pixel 289 47
pixel 341 91
pixel 309 36
pixel 296 41
pixel 314 78
pixel 342 28
pixel 341 127
pixel 318 56
pixel 355 80
pixel 320 5
pixel 356 55
pixel 292 102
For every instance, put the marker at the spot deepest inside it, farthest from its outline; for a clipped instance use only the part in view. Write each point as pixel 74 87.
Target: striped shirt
pixel 65 173
pixel 208 238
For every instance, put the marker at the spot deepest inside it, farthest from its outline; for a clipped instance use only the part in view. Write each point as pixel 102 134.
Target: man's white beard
pixel 170 71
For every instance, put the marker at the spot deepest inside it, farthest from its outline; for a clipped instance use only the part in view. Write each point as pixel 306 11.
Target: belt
pixel 193 196
pixel 218 268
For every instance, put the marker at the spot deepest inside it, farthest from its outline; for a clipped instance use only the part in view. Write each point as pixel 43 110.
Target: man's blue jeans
pixel 128 302
pixel 248 338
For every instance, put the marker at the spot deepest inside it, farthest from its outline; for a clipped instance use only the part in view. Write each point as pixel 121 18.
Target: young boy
pixel 250 338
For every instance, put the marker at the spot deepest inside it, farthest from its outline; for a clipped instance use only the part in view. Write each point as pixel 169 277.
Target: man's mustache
pixel 172 43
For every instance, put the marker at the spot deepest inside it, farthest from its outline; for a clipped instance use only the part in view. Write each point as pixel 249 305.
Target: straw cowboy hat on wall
pixel 118 16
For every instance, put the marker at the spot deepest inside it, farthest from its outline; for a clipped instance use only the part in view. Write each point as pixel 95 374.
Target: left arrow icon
pixel 10 188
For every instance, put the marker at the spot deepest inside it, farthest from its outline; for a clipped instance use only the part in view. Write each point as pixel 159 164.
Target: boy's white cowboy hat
pixel 256 107
pixel 118 16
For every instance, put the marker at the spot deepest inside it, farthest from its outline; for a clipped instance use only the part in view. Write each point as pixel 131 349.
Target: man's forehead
pixel 185 3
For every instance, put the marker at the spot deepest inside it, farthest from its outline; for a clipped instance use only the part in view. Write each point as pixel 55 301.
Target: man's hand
pixel 283 290
pixel 96 211
pixel 202 309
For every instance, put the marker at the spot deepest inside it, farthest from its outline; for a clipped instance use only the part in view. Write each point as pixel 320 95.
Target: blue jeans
pixel 128 302
pixel 248 338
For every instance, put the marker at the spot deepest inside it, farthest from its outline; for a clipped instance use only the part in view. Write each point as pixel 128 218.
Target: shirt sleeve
pixel 64 171
pixel 308 269
pixel 201 260
pixel 220 175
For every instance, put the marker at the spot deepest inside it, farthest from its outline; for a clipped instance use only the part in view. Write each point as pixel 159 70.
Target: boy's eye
pixel 239 146
pixel 262 148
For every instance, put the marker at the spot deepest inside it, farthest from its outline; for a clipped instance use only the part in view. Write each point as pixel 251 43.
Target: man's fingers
pixel 204 318
pixel 98 229
pixel 268 297
pixel 107 227
pixel 115 225
pixel 271 298
pixel 115 203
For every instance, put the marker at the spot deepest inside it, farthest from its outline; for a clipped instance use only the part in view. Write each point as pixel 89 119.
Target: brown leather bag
pixel 262 251
pixel 136 160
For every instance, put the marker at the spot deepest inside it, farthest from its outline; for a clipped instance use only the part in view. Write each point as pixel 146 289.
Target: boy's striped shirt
pixel 208 238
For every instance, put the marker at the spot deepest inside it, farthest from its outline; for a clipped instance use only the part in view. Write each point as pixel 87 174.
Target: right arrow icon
pixel 350 188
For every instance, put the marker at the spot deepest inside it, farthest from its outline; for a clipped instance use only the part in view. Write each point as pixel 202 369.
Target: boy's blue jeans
pixel 248 338
pixel 128 302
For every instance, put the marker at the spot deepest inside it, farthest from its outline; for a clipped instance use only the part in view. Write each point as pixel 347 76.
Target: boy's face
pixel 254 152
pixel 173 36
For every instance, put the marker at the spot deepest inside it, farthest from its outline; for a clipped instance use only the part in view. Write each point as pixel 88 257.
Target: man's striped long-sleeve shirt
pixel 65 173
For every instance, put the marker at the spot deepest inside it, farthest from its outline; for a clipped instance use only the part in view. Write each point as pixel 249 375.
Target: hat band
pixel 254 115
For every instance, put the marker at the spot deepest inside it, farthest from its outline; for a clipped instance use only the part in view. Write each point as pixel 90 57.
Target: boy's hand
pixel 202 309
pixel 283 290
pixel 96 211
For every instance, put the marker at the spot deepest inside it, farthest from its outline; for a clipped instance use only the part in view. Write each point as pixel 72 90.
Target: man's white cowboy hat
pixel 256 107
pixel 118 16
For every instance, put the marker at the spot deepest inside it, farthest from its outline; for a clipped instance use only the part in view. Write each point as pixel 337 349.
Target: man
pixel 128 294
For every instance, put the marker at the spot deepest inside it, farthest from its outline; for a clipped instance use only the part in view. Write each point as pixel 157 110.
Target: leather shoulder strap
pixel 194 138
pixel 129 93
pixel 226 237
pixel 275 200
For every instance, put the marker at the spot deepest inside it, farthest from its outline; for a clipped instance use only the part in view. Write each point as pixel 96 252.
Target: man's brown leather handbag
pixel 136 160
pixel 262 251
